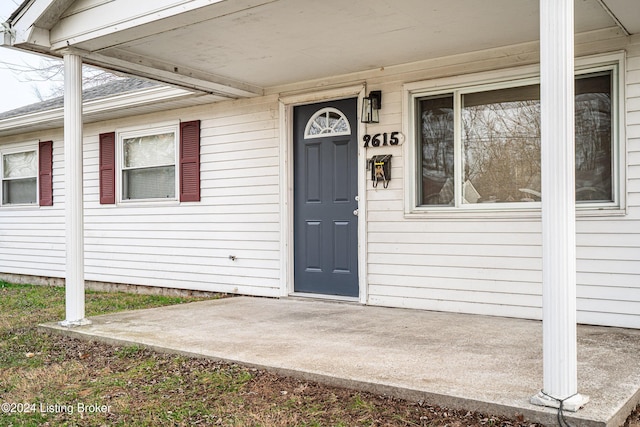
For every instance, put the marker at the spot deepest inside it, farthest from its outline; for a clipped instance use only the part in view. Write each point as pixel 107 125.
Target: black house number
pixel 381 139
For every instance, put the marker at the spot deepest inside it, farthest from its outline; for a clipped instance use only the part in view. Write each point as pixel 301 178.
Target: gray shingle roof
pixel 103 91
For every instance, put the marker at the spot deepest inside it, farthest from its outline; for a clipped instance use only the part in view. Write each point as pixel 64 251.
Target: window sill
pixel 457 214
pixel 22 207
pixel 148 203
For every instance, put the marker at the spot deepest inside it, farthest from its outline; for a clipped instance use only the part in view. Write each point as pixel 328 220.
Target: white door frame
pixel 286 104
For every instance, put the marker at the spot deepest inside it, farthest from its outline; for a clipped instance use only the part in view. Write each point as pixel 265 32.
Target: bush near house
pixel 52 380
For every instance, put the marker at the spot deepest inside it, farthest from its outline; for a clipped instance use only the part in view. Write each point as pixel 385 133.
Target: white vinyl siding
pixel 170 244
pixel 31 237
pixel 190 245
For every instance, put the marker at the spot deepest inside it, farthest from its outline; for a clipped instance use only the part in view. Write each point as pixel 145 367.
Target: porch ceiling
pixel 242 47
pixel 291 40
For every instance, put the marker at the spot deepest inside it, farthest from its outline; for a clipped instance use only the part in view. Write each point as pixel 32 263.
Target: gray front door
pixel 325 193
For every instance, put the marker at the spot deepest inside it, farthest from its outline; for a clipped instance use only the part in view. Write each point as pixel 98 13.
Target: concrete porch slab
pixel 481 363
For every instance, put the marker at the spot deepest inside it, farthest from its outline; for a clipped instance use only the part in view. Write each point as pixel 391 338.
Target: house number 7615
pixel 381 139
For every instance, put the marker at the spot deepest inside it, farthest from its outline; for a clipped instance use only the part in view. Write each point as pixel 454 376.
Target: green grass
pixel 38 368
pixel 128 352
pixel 22 307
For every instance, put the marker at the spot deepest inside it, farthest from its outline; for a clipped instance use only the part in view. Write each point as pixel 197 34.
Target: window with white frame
pixel 479 146
pixel 325 122
pixel 20 178
pixel 148 164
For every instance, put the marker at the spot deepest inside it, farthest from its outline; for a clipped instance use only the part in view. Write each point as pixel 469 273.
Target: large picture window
pixel 20 178
pixel 481 145
pixel 148 168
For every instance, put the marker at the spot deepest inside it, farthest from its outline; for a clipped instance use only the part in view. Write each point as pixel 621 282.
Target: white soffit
pixel 626 12
pixel 286 41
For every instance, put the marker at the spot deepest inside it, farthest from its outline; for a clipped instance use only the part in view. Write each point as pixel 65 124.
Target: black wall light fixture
pixel 371 107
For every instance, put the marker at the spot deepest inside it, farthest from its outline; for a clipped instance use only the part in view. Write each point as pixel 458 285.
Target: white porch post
pixel 74 216
pixel 558 207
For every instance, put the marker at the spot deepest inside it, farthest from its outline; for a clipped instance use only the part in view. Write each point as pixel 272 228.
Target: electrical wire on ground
pixel 562 422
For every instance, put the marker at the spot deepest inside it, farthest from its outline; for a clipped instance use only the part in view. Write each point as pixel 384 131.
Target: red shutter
pixel 45 173
pixel 108 168
pixel 190 161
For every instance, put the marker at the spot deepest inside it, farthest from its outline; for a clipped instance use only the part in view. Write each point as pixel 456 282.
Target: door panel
pixel 313 250
pixel 325 190
pixel 341 247
pixel 343 170
pixel 313 173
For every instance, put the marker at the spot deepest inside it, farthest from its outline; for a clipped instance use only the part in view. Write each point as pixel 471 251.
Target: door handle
pixel 355 212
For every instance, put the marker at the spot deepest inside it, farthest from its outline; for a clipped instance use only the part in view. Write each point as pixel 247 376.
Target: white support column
pixel 74 215
pixel 558 207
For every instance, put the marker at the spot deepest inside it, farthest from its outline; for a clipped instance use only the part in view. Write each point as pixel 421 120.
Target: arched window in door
pixel 327 121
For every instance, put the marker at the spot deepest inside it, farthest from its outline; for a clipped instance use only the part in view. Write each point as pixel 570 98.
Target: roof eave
pixel 54 117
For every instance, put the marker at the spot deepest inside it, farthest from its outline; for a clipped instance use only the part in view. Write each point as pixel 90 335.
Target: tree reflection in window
pixel 593 138
pixel 500 144
pixel 436 154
